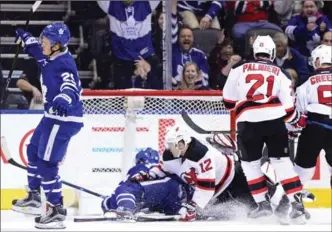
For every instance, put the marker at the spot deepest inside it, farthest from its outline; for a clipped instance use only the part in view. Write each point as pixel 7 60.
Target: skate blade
pixel 27 210
pixel 52 225
pixel 283 220
pixel 301 220
pixel 261 214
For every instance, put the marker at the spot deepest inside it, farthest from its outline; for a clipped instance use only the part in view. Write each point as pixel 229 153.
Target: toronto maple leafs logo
pixel 131 29
pixel 61 31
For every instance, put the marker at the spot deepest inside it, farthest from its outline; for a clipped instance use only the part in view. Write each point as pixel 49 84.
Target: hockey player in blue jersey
pixel 62 120
pixel 136 192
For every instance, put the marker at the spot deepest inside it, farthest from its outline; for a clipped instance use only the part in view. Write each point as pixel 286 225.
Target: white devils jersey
pixel 206 168
pixel 261 92
pixel 315 95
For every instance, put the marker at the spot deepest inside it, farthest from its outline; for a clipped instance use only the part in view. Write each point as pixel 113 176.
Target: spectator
pixel 284 9
pixel 2 85
pixel 190 75
pixel 290 58
pixel 327 38
pixel 200 14
pixel 250 14
pixel 183 52
pixel 130 25
pixel 221 61
pixel 30 85
pixel 305 30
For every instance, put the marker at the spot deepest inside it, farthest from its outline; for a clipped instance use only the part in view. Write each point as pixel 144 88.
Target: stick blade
pixel 36 5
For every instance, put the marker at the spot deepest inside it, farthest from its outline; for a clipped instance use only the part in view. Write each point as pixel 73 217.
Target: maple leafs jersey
pixel 315 95
pixel 207 169
pixel 261 91
pixel 59 75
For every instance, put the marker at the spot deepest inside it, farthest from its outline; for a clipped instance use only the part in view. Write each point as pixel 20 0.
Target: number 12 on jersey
pixel 258 81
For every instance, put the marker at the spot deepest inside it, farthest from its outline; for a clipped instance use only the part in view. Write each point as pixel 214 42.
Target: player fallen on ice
pixel 214 173
pixel 63 111
pixel 138 192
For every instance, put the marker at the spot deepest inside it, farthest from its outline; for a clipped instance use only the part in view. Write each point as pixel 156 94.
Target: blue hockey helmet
pixel 147 155
pixel 57 33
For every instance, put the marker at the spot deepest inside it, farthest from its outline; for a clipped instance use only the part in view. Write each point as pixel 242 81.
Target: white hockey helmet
pixel 176 134
pixel 264 45
pixel 323 53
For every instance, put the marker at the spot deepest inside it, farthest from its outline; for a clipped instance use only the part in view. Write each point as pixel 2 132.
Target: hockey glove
pixel 141 176
pixel 188 211
pixel 61 104
pixel 190 177
pixel 300 121
pixel 26 37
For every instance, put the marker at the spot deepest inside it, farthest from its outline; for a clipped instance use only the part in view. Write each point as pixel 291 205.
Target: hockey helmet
pixel 323 53
pixel 176 134
pixel 264 45
pixel 147 155
pixel 57 33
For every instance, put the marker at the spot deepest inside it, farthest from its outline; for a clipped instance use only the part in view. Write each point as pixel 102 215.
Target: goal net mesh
pixel 117 124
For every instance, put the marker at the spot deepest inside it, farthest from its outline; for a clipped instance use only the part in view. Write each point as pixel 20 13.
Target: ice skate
pixel 30 205
pixel 298 214
pixel 263 209
pixel 281 211
pixel 125 215
pixel 52 219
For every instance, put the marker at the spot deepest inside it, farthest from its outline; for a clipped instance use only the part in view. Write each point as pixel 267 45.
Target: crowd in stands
pixel 130 54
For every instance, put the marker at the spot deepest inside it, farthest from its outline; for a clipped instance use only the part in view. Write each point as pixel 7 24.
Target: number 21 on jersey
pixel 257 81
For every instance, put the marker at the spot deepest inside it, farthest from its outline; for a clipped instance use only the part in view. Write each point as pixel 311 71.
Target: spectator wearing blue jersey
pixel 200 14
pixel 306 30
pixel 290 58
pixel 183 52
pixel 130 26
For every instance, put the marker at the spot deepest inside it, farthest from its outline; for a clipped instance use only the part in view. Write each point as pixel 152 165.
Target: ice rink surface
pixel 320 221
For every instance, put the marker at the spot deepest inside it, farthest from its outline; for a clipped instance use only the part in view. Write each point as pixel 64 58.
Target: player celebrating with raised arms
pixel 262 94
pixel 62 120
pixel 314 97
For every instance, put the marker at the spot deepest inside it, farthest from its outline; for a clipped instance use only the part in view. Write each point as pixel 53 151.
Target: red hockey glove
pixel 300 121
pixel 190 177
pixel 188 212
pixel 141 176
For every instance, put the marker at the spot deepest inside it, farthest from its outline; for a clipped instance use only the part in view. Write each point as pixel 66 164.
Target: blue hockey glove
pixel 26 37
pixel 61 104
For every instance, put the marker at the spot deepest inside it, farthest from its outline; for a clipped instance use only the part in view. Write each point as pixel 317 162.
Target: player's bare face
pixel 177 150
pixel 186 39
pixel 309 8
pixel 190 74
pixel 46 45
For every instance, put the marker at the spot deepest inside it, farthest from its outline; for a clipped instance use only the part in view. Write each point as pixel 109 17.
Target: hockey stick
pixel 9 77
pixel 199 129
pixel 140 218
pixel 10 160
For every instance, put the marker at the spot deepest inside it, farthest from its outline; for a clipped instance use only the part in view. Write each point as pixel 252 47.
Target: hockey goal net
pixel 117 124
